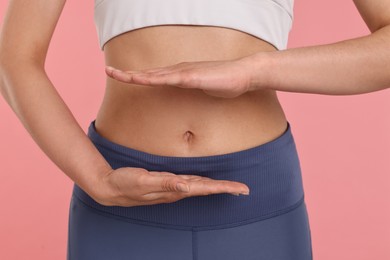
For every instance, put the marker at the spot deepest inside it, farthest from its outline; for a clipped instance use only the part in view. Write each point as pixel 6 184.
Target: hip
pixel 271 171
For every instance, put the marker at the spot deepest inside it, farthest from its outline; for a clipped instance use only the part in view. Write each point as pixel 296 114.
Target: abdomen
pixel 175 121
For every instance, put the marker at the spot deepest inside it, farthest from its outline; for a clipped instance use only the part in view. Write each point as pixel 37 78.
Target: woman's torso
pixel 174 121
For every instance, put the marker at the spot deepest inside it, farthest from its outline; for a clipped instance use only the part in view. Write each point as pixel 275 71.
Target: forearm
pixel 51 124
pixel 352 66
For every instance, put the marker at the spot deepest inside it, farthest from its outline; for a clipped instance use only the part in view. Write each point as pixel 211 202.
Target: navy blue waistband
pixel 271 171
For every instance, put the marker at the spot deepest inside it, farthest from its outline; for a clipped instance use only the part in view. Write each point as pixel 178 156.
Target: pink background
pixel 344 144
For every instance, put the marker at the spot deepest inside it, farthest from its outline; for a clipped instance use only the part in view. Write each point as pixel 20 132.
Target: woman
pixel 215 125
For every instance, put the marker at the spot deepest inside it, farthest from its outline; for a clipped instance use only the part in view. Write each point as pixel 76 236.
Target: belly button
pixel 188 136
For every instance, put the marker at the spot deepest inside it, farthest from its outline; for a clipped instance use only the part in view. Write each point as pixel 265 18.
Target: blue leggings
pixel 269 224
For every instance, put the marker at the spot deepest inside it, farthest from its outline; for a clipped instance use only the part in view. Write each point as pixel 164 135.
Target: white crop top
pixel 269 20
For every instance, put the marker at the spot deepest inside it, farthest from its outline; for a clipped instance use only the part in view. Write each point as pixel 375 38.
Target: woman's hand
pixel 227 79
pixel 131 186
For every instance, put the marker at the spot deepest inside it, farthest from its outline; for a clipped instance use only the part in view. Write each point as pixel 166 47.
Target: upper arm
pixel 375 13
pixel 27 29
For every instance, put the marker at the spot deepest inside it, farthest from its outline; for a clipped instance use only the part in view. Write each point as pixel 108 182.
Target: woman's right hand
pixel 131 186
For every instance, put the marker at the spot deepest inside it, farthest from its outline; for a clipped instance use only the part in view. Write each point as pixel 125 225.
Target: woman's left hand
pixel 227 79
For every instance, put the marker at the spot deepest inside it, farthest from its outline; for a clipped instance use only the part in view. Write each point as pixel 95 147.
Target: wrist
pixel 98 188
pixel 260 67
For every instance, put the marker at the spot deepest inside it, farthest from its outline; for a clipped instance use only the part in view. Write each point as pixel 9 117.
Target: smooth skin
pixel 235 76
pixel 56 131
pixel 353 66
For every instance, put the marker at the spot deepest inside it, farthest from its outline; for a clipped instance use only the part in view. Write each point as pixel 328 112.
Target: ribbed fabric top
pixel 270 20
pixel 271 171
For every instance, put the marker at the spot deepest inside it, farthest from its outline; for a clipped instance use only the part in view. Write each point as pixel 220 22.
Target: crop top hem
pixel 265 19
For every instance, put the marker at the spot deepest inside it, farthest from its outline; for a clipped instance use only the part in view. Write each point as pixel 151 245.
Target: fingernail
pixel 109 68
pixel 182 187
pixel 245 193
pixel 236 194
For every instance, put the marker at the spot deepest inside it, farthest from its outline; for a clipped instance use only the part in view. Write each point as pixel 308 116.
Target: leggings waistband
pixel 271 171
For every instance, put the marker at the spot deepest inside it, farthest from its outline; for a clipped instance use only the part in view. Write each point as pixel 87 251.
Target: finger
pixel 164 79
pixel 190 65
pixel 180 78
pixel 199 184
pixel 124 76
pixel 193 177
pixel 144 70
pixel 183 79
pixel 160 173
pixel 141 78
pixel 174 67
pixel 164 69
pixel 119 75
pixel 163 197
pixel 184 176
pixel 153 70
pixel 190 177
pixel 197 178
pixel 207 187
pixel 165 182
pixel 199 189
pixel 109 69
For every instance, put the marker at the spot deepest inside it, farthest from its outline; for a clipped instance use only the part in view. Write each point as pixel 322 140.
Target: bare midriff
pixel 173 121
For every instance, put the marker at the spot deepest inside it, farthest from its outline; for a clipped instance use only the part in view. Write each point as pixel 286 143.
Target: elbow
pixel 11 65
pixel 15 63
pixel 2 61
pixel 2 73
pixel 2 83
pixel 4 70
pixel 385 25
pixel 17 59
pixel 5 58
pixel 2 77
pixel 6 64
